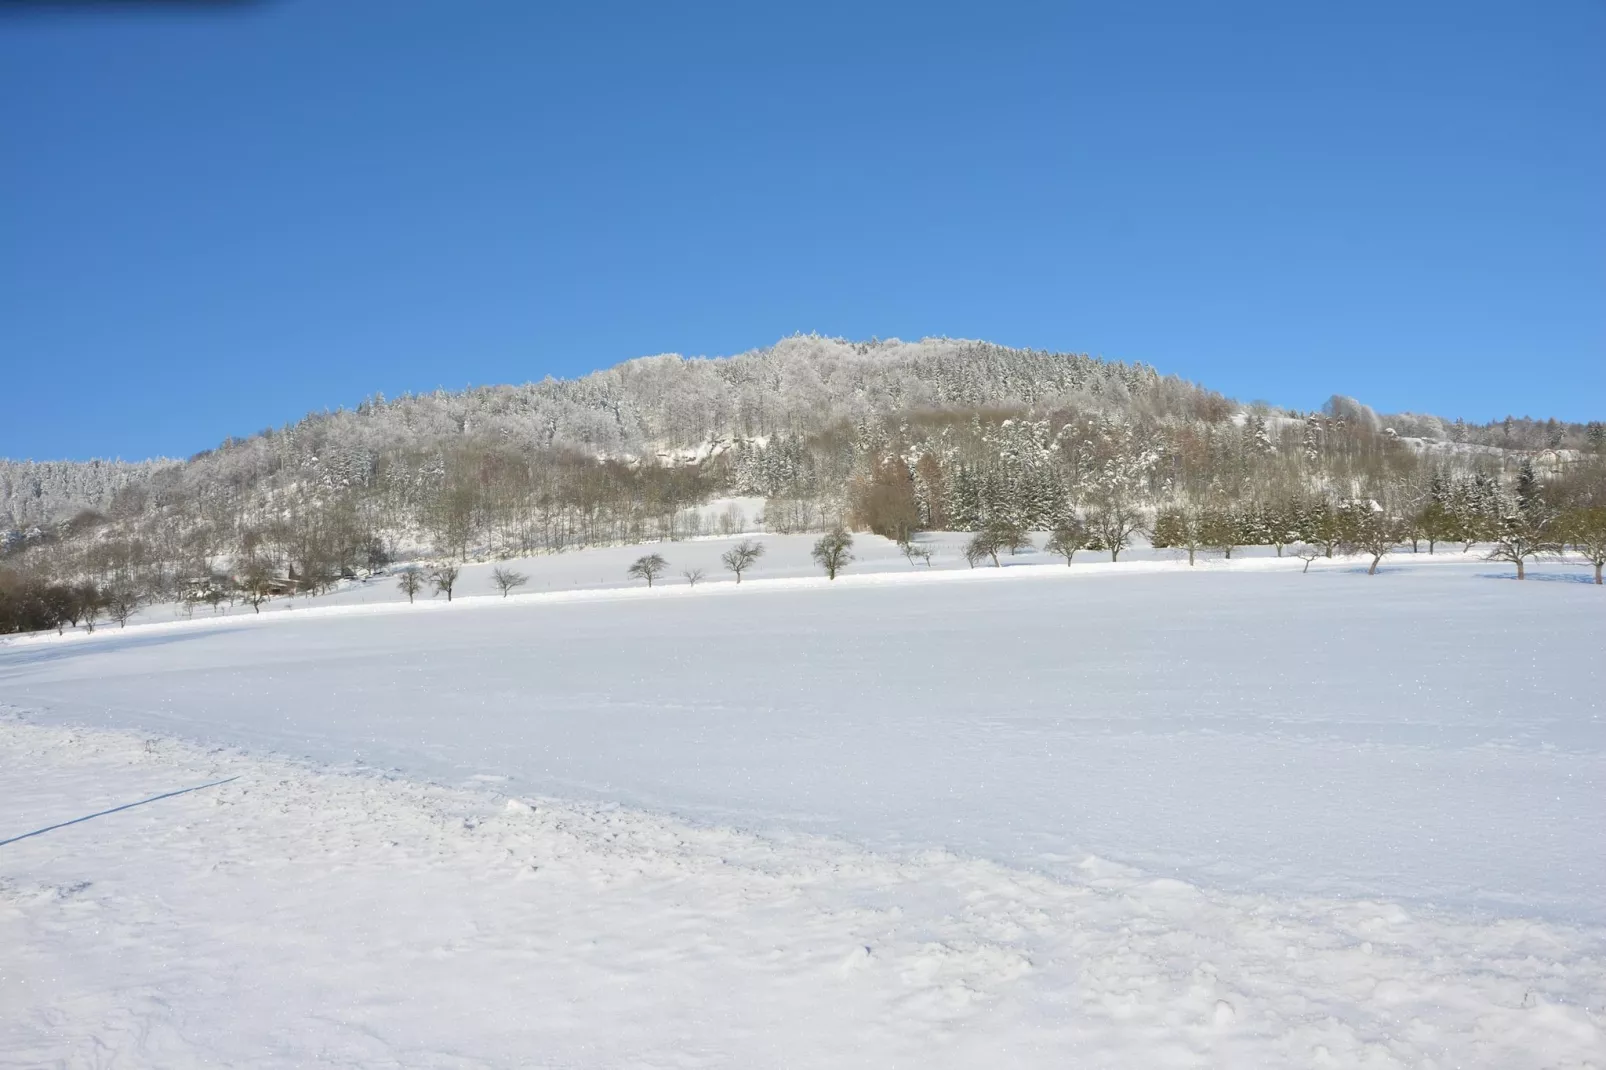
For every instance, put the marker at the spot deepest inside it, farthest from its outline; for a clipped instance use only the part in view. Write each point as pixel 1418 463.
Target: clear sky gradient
pixel 213 222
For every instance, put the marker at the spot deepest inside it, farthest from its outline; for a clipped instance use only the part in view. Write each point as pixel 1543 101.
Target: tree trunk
pixel 1597 573
pixel 1115 555
pixel 1373 570
pixel 1521 574
pixel 1190 557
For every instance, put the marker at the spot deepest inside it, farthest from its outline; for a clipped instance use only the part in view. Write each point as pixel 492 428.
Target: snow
pixel 1105 815
pixel 295 915
pixel 604 568
pixel 584 573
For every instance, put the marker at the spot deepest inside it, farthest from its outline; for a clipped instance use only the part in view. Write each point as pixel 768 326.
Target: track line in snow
pixel 114 810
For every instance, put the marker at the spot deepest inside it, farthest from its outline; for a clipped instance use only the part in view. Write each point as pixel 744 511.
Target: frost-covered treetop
pixel 667 402
pixel 35 492
pixel 800 384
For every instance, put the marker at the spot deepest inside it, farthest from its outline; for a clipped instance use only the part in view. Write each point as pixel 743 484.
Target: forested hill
pixel 884 435
pixel 675 408
pixel 664 404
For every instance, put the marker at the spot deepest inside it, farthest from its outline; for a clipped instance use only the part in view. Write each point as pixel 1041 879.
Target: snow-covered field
pixel 1130 815
pixel 579 572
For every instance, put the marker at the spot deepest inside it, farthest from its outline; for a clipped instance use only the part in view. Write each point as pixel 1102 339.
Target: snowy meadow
pixel 1128 814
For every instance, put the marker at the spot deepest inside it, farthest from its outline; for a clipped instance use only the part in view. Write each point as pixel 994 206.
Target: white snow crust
pixel 295 916
pixel 1128 815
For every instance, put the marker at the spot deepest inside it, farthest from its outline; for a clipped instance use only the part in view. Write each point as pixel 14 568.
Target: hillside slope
pixel 886 436
pixel 667 403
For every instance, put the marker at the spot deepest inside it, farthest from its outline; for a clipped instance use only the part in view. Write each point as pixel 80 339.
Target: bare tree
pixel 66 607
pixel 1371 532
pixel 90 603
pixel 255 583
pixel 215 591
pixel 1308 552
pixel 1007 535
pixel 1067 538
pixel 979 547
pixel 1521 538
pixel 444 577
pixel 740 558
pixel 913 553
pixel 694 576
pixel 997 535
pixel 648 567
pixel 411 581
pixel 506 579
pixel 60 605
pixel 1113 521
pixel 1586 531
pixel 885 501
pixel 121 604
pixel 832 551
pixel 453 515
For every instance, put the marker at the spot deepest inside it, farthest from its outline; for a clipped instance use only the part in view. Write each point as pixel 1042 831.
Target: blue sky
pixel 211 223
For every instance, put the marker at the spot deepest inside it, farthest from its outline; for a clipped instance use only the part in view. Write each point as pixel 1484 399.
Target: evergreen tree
pixel 1170 526
pixel 964 499
pixel 1529 494
pixel 1220 530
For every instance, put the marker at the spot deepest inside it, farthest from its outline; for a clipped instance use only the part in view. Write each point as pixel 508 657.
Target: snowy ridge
pixel 358 920
pixel 668 404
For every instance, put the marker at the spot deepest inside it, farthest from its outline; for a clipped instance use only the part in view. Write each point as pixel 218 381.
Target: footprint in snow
pixel 1224 1014
pixel 856 960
